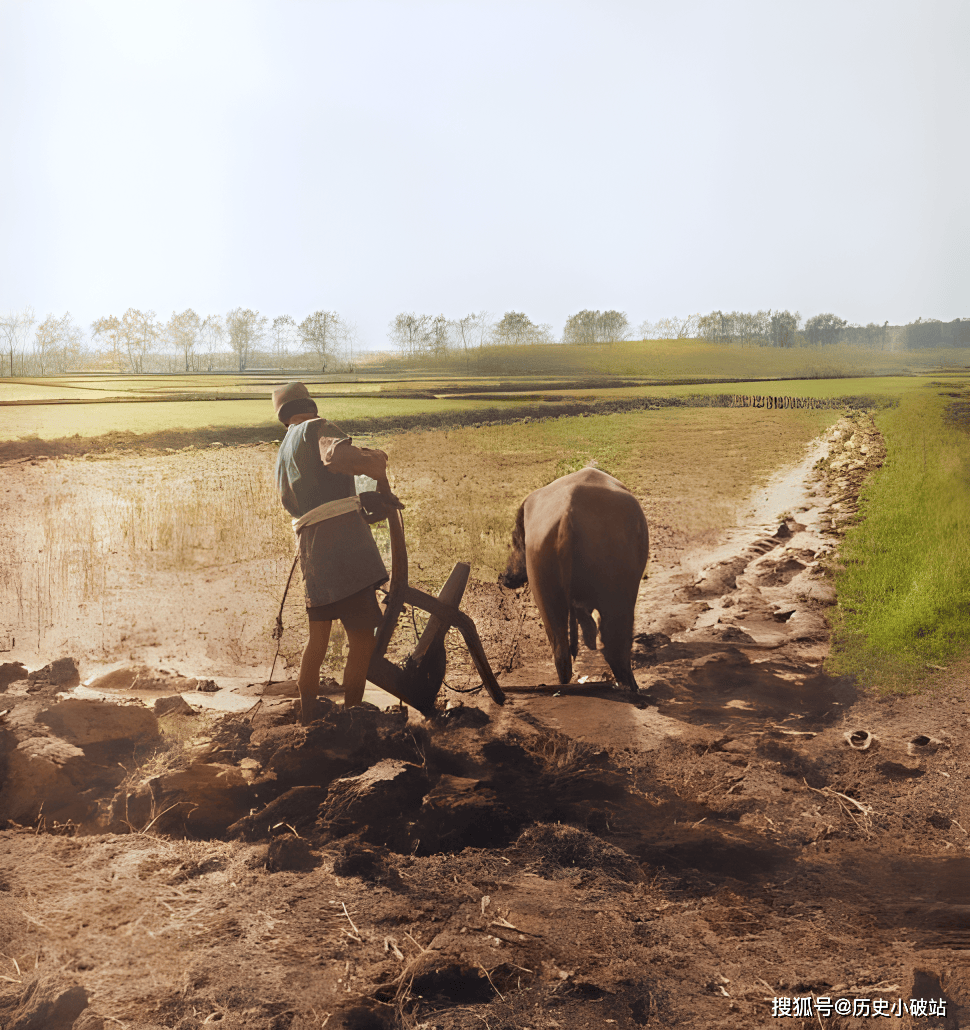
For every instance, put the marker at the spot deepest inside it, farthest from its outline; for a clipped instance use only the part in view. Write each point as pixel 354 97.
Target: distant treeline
pixel 242 339
pixel 785 329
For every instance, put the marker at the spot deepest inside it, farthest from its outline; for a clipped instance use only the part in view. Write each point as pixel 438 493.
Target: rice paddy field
pixel 29 409
pixel 466 449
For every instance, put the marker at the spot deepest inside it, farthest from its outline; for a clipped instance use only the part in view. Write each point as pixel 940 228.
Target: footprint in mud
pixel 783 570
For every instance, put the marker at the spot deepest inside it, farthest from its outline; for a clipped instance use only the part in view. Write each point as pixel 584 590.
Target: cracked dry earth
pixel 745 834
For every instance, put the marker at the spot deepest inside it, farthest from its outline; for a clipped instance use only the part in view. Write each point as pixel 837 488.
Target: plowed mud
pixel 739 841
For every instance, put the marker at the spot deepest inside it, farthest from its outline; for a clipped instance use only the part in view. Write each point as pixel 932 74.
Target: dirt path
pixel 746 841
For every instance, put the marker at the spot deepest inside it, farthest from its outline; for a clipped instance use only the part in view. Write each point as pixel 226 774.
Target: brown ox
pixel 582 543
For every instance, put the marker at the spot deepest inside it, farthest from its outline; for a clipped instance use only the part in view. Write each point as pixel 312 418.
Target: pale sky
pixel 374 157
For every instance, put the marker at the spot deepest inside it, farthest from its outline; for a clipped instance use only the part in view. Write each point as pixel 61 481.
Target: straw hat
pixel 293 399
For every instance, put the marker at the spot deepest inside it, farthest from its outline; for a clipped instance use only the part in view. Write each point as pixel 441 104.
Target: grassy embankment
pixel 680 359
pixel 904 588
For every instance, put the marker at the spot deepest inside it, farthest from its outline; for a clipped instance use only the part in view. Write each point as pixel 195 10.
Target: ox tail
pixel 516 573
pixel 565 646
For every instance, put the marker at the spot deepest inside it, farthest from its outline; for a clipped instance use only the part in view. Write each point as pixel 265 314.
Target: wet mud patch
pixel 731 688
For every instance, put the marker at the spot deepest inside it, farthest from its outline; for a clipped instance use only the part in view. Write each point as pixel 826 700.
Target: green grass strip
pixel 904 585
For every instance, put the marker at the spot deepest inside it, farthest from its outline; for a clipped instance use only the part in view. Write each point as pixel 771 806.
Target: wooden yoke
pixel 418 683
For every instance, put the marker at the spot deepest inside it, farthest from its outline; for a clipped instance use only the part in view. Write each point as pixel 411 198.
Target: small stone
pixel 60 673
pixel 717 656
pixel 10 672
pixel 174 705
pixel 289 853
pixel 207 686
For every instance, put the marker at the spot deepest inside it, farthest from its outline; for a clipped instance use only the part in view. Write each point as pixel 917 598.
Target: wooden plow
pixel 418 683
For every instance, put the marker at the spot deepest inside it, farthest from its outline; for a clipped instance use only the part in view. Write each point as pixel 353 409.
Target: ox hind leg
pixel 554 609
pixel 616 628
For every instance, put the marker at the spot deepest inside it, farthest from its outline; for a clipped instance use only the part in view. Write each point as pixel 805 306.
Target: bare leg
pixel 361 647
pixel 313 656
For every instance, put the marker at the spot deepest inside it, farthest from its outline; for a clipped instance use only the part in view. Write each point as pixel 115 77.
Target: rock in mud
pixel 730 633
pixel 202 800
pixel 82 722
pixel 807 625
pixel 567 846
pixel 49 1003
pixel 50 776
pixel 343 740
pixel 297 808
pixel 290 853
pixel 652 641
pixel 374 801
pixel 142 677
pixel 60 673
pixel 731 657
pixel 11 672
pixel 369 863
pixel 173 705
pixel 462 813
pixel 463 715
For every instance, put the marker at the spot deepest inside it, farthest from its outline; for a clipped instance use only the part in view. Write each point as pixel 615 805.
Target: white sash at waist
pixel 329 510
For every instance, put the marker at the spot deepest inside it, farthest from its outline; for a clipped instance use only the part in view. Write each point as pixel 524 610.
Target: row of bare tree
pixel 436 335
pixel 140 342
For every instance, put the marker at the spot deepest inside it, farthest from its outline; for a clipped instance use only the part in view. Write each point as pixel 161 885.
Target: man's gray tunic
pixel 338 556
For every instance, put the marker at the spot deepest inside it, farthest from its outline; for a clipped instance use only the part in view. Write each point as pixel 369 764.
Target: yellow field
pixel 369 402
pixel 50 422
pixel 689 467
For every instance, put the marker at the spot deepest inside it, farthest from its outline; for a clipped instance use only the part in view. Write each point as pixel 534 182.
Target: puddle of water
pixel 223 700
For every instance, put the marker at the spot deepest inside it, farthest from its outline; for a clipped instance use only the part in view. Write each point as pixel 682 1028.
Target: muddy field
pixel 746 841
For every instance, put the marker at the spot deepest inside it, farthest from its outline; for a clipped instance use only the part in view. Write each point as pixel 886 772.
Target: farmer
pixel 339 559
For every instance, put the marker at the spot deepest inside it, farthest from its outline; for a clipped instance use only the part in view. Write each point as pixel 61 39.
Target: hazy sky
pixel 443 157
